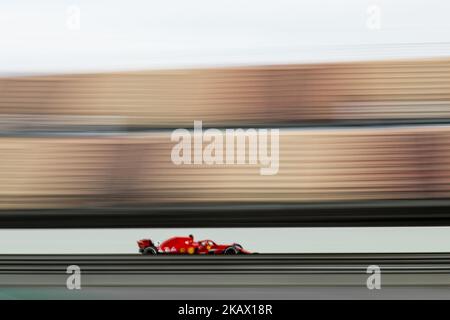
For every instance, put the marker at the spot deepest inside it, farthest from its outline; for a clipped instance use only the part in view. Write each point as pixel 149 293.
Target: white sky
pixel 140 34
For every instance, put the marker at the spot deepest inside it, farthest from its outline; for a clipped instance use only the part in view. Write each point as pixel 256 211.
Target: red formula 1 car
pixel 187 245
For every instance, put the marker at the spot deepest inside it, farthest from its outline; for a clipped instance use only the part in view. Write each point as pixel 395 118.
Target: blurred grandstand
pixel 351 134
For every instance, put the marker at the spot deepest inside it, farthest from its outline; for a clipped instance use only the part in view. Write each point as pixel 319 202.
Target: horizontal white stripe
pixel 263 240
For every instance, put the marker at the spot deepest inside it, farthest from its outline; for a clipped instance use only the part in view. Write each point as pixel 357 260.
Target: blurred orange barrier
pixel 383 90
pixel 315 165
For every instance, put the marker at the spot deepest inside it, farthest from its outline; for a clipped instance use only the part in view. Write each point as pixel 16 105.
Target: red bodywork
pixel 187 245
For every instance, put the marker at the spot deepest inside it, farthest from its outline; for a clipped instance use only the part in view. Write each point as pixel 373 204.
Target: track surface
pixel 423 269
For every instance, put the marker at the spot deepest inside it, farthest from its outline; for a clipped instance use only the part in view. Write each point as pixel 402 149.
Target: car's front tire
pixel 231 250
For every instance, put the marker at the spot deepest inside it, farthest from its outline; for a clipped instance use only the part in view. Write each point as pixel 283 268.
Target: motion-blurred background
pixel 349 131
pixel 89 98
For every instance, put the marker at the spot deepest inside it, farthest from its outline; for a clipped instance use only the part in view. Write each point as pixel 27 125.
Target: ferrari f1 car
pixel 187 245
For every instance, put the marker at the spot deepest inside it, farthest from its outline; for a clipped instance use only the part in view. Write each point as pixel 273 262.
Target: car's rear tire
pixel 151 251
pixel 231 250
